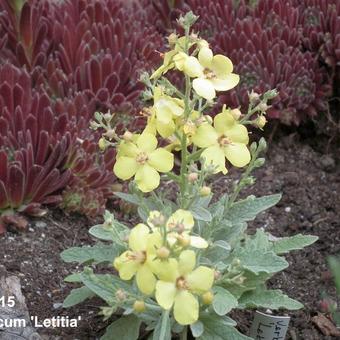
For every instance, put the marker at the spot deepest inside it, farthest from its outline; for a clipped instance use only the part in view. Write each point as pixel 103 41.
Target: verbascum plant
pixel 190 260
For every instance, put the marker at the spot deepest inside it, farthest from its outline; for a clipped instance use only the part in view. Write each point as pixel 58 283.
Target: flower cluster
pixel 164 266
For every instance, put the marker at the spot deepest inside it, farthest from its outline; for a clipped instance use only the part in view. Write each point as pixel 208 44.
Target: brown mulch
pixel 310 182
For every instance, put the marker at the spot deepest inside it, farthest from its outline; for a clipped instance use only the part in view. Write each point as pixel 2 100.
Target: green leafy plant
pixel 191 260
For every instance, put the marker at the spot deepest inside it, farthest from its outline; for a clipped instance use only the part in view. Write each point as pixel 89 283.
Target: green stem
pixel 184 334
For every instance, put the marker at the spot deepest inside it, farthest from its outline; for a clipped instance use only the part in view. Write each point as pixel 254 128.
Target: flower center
pixel 181 283
pixel 224 141
pixel 141 158
pixel 209 74
pixel 138 256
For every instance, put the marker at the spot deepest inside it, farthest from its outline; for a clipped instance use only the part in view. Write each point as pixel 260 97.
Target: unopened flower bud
pixel 192 177
pixel 102 144
pixel 263 107
pixel 127 136
pixel 205 191
pixel 121 295
pixel 107 311
pixel 202 43
pixel 172 39
pixel 217 275
pixel 271 94
pixel 207 298
pixel 260 122
pixel 107 116
pixel 183 240
pixel 163 253
pixel 239 279
pixel 262 144
pixel 139 306
pixel 259 162
pixel 253 97
pixel 236 262
pixel 236 113
pixel 94 125
pixel 110 134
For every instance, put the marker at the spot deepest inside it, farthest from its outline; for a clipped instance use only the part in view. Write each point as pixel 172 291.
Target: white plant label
pixel 269 327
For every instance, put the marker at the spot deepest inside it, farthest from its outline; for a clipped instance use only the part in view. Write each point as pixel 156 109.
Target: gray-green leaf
pixel 296 242
pixel 223 301
pixel 77 295
pixel 127 197
pixel 125 328
pixel 272 299
pixel 97 253
pixel 258 261
pixel 163 327
pixel 220 328
pixel 201 213
pixel 247 210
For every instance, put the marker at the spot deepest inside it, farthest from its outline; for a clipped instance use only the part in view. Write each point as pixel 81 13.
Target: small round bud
pixel 121 295
pixel 183 240
pixel 193 177
pixel 110 133
pixel 236 262
pixel 107 116
pixel 217 275
pixel 260 122
pixel 207 298
pixel 236 113
pixel 259 162
pixel 107 311
pixel 271 94
pixel 102 144
pixel 163 253
pixel 139 306
pixel 253 97
pixel 202 43
pixel 263 107
pixel 239 280
pixel 262 144
pixel 205 191
pixel 127 136
pixel 172 39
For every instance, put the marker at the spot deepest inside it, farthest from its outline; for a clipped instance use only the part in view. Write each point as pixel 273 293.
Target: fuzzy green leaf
pixel 296 242
pixel 248 209
pixel 163 327
pixel 102 233
pixel 127 197
pixel 220 328
pixel 218 251
pixel 258 261
pixel 75 277
pixel 197 329
pixel 223 301
pixel 97 253
pixel 77 295
pixel 125 328
pixel 201 213
pixel 104 285
pixel 272 299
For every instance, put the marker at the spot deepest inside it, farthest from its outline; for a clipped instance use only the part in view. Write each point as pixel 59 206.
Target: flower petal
pixel 161 159
pixel 138 237
pixel 186 308
pixel 146 281
pixel 237 154
pixel 214 155
pixel 192 67
pixel 125 167
pixel 238 133
pixel 147 178
pixel 127 268
pixel 224 121
pixel 205 57
pixel 147 142
pixel 166 270
pixel 198 242
pixel 186 262
pixel 181 216
pixel 127 149
pixel 204 88
pixel 201 279
pixel 165 294
pixel 227 83
pixel 205 136
pixel 165 130
pixel 221 65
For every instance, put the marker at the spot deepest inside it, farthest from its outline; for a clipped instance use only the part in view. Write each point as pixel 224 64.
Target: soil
pixel 308 178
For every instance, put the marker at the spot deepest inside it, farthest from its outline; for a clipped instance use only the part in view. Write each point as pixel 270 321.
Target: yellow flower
pixel 137 260
pixel 211 73
pixel 227 139
pixel 143 160
pixel 164 111
pixel 179 226
pixel 181 290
